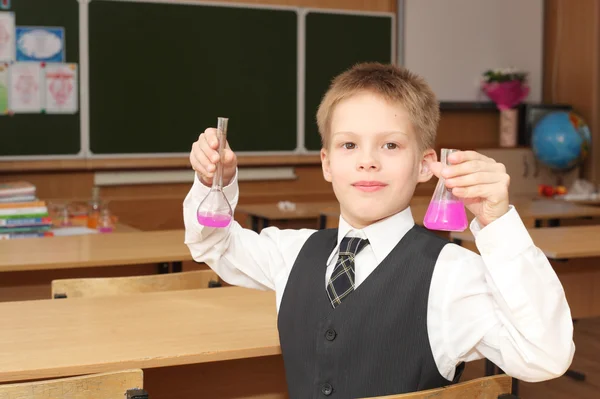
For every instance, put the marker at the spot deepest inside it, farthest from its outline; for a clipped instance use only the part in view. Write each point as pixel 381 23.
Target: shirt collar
pixel 383 235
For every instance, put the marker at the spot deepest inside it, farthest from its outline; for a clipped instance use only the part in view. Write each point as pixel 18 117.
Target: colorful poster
pixel 60 81
pixel 5 4
pixel 7 36
pixel 3 89
pixel 40 43
pixel 25 87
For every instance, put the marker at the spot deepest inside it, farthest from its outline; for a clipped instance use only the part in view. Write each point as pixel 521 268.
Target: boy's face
pixel 373 160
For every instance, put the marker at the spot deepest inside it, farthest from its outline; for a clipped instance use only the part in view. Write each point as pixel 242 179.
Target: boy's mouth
pixel 369 186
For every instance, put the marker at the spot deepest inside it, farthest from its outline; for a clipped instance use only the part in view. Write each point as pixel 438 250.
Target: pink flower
pixel 506 94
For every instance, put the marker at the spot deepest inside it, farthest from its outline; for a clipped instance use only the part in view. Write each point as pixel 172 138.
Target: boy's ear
pixel 325 165
pixel 425 172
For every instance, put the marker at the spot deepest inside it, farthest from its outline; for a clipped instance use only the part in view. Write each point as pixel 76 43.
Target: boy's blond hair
pixel 395 84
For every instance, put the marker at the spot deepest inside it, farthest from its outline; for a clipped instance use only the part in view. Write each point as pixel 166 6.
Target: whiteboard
pixel 451 43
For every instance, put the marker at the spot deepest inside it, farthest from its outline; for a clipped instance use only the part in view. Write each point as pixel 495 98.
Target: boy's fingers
pixel 473 166
pixel 204 160
pixel 463 156
pixel 229 156
pixel 199 168
pixel 436 168
pixel 210 136
pixel 474 179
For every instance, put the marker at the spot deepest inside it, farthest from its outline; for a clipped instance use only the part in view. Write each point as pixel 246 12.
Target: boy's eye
pixel 391 146
pixel 349 146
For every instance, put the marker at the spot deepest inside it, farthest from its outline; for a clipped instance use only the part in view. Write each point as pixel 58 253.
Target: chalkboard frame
pixel 299 92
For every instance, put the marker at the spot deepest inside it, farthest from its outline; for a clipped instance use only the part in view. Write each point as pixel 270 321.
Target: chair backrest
pixel 107 286
pixel 480 388
pixel 94 386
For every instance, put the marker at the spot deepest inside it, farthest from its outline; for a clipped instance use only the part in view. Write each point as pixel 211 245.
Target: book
pixel 29 204
pixel 22 211
pixel 13 236
pixel 26 222
pixel 18 198
pixel 25 216
pixel 24 229
pixel 16 188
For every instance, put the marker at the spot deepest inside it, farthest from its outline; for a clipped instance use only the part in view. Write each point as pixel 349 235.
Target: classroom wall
pixel 159 206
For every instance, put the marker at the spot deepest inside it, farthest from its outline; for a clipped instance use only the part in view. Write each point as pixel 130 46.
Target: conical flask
pixel 215 210
pixel 445 212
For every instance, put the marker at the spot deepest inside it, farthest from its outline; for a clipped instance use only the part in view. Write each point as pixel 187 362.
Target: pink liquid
pixel 446 216
pixel 213 220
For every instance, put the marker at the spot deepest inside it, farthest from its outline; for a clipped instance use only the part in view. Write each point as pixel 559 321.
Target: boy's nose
pixel 368 162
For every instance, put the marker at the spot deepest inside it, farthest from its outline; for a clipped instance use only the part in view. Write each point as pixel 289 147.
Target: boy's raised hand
pixel 205 155
pixel 479 181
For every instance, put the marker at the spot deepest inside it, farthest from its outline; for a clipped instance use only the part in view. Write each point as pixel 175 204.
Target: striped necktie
pixel 341 283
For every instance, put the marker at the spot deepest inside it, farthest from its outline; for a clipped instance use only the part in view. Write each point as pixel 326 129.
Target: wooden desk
pixel 574 252
pixel 211 343
pixel 330 215
pixel 28 266
pixel 553 211
pixel 534 213
pixel 262 215
pixel 93 250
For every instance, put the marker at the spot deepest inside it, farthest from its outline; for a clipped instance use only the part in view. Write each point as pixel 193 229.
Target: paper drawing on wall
pixel 37 43
pixel 60 88
pixel 7 36
pixel 3 89
pixel 25 87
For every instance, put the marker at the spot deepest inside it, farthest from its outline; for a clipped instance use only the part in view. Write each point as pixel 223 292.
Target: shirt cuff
pixel 505 236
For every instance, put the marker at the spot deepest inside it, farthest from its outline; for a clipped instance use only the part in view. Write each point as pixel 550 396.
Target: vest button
pixel 327 389
pixel 330 334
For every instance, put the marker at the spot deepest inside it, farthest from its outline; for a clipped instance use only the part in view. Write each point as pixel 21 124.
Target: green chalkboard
pixel 161 73
pixel 43 134
pixel 335 42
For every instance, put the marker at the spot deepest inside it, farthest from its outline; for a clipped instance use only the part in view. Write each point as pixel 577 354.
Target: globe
pixel 561 140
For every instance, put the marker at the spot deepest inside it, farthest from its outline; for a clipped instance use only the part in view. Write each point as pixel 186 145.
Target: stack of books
pixel 22 214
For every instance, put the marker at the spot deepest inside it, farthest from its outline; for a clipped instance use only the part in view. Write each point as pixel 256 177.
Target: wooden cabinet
pixel 526 174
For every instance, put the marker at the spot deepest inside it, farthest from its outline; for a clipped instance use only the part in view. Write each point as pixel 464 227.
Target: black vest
pixel 375 343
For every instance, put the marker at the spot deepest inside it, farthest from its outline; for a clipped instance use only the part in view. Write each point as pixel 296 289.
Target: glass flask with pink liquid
pixel 446 212
pixel 215 210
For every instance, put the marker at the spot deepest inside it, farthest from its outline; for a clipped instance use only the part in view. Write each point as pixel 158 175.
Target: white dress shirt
pixel 506 305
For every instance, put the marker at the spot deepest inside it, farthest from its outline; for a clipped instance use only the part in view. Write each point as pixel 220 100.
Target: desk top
pixel 54 338
pixel 559 242
pixel 304 210
pixel 527 208
pixel 554 209
pixel 91 250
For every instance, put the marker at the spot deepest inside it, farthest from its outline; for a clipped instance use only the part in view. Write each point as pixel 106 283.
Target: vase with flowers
pixel 507 88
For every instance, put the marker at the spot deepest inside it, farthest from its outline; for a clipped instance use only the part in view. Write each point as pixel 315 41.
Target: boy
pixel 380 305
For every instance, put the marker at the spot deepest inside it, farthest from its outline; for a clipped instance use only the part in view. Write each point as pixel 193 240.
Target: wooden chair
pixel 108 286
pixel 494 387
pixel 118 384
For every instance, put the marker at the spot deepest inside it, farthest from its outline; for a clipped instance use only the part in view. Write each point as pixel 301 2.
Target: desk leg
pixel 576 375
pixel 265 223
pixel 553 222
pixel 176 267
pixel 322 222
pixel 515 387
pixel 163 268
pixel 490 368
pixel 254 222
